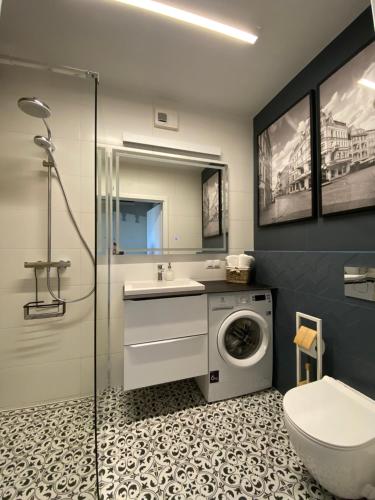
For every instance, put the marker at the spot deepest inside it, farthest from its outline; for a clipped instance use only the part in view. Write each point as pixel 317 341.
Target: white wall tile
pixel 102 342
pixel 240 206
pixel 87 221
pixel 72 189
pixel 87 376
pixel 87 155
pixel 117 369
pixel 240 235
pixel 87 276
pixel 27 385
pixel 39 344
pixel 22 228
pixel 68 157
pixel 103 372
pixel 88 198
pixel 41 359
pixel 117 335
pixel 87 339
pixel 117 301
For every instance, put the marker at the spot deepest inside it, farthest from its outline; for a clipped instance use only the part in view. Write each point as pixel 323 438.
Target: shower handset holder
pixel 38 309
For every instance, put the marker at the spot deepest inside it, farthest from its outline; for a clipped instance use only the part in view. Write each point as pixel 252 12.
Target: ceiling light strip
pixel 190 18
pixel 367 83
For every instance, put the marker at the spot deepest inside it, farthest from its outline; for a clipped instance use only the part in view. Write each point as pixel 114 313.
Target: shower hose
pixel 52 164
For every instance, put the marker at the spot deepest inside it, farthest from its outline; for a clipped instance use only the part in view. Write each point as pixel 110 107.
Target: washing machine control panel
pixel 261 300
pixel 253 298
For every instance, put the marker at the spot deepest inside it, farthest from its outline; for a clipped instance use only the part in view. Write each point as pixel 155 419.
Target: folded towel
pixel 232 261
pixel 245 260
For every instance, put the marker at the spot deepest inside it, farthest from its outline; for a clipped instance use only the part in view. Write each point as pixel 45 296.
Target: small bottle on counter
pixel 169 275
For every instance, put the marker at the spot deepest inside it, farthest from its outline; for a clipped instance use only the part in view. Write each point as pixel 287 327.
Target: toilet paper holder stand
pixel 316 350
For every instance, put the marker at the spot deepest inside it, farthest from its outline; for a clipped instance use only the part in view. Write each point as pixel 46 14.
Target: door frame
pixel 150 198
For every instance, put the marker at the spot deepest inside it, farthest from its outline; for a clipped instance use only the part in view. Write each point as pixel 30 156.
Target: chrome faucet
pixel 160 272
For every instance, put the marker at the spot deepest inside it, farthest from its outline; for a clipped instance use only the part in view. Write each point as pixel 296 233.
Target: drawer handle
pixel 159 342
pixel 222 308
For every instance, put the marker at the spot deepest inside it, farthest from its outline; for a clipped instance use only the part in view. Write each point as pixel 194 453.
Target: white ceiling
pixel 139 52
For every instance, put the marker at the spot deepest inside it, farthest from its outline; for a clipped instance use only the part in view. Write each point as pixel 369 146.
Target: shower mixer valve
pixel 55 308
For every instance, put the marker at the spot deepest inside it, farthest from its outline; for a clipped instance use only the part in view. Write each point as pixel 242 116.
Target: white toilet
pixel 332 428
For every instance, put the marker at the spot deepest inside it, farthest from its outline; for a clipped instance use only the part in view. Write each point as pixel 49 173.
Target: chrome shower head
pixel 44 142
pixel 38 109
pixel 34 107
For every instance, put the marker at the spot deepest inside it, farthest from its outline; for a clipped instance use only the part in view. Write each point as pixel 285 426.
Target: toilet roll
pixel 305 337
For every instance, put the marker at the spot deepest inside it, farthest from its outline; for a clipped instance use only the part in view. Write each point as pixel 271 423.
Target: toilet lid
pixel 332 413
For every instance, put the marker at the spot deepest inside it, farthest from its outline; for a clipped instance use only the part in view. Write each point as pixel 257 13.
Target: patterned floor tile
pixel 159 443
pixel 47 452
pixel 166 442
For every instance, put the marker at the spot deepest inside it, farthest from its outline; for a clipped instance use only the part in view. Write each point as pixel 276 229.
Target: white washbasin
pixel 159 287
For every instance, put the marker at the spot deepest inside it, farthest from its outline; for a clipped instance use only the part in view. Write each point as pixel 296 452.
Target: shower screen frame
pixel 83 74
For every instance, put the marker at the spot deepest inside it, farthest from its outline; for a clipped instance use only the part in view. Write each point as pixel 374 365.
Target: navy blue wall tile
pixel 313 283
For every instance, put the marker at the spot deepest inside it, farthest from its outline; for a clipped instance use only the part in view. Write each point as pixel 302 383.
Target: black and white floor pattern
pixel 47 452
pixel 165 442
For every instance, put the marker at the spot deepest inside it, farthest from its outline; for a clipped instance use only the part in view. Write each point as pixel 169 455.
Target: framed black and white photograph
pixel 285 185
pixel 211 205
pixel 347 136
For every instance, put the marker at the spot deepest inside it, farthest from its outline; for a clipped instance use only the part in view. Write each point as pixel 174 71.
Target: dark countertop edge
pixel 149 296
pixel 223 286
pixel 220 286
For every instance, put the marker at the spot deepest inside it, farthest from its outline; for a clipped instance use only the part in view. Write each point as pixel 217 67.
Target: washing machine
pixel 240 344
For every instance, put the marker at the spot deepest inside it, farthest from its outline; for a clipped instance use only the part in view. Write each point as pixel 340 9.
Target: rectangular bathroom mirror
pixel 166 204
pixel 359 282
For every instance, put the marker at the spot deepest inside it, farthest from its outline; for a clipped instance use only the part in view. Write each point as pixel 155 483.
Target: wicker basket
pixel 237 275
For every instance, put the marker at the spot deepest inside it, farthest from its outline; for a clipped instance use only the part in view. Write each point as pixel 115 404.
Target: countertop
pixel 221 286
pixel 224 287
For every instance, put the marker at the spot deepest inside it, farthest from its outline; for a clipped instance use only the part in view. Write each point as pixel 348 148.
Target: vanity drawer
pixel 166 318
pixel 154 363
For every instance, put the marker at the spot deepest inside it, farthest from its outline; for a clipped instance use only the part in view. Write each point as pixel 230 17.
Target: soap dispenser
pixel 169 275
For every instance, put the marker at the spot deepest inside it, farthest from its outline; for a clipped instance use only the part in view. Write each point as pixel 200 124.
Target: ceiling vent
pixel 166 118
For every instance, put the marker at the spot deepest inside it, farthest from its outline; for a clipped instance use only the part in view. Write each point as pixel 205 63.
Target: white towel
pixel 232 261
pixel 245 261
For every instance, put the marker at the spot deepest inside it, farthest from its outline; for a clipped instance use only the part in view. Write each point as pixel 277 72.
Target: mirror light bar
pixel 367 83
pixel 189 17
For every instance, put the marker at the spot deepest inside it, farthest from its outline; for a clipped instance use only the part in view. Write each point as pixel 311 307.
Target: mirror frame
pixel 115 153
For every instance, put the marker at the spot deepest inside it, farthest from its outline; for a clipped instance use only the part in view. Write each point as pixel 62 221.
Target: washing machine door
pixel 243 338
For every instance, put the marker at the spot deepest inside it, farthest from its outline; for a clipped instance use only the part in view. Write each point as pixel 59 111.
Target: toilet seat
pixel 322 443
pixel 331 414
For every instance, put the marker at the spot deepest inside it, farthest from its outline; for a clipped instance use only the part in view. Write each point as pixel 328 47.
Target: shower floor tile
pixel 166 442
pixel 47 452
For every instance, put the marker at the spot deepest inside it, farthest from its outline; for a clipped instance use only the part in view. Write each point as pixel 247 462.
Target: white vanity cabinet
pixel 165 339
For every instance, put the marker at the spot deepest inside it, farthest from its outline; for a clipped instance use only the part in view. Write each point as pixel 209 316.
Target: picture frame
pixel 212 204
pixel 346 138
pixel 286 166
